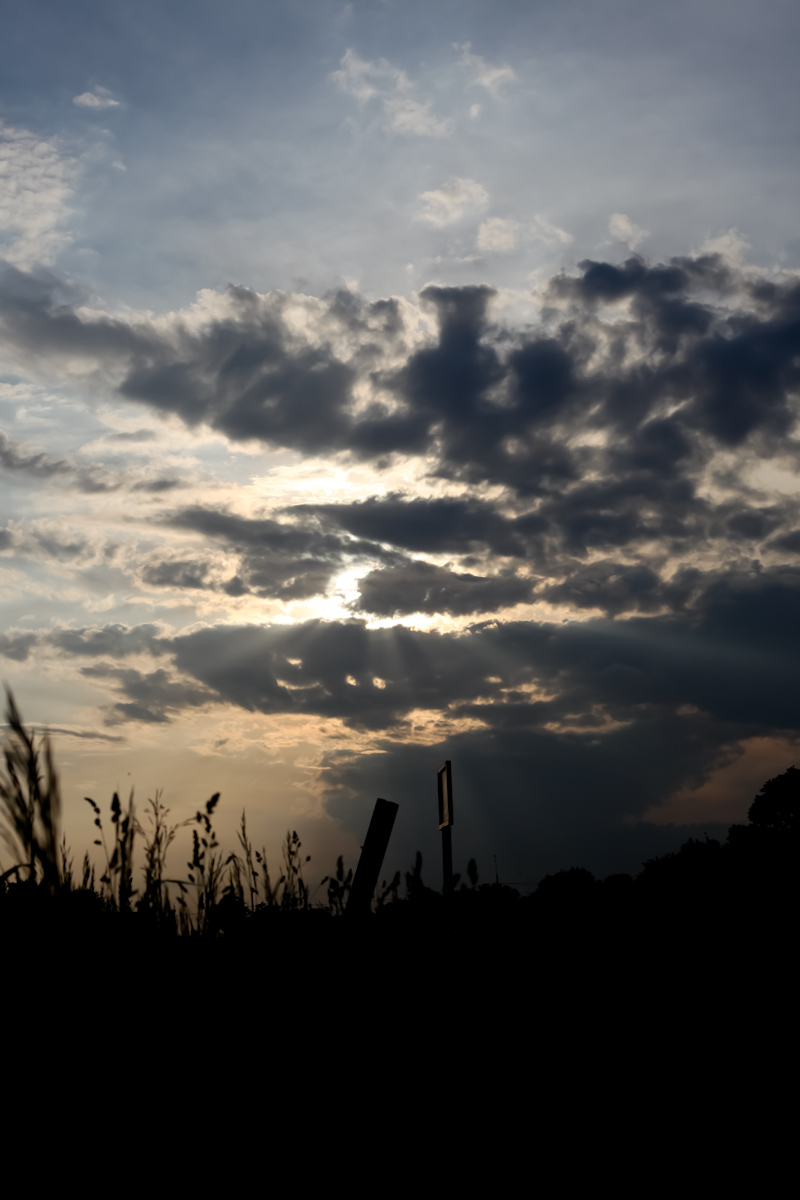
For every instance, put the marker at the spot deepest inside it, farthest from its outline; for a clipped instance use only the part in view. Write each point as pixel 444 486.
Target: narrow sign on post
pixel 444 777
pixel 372 855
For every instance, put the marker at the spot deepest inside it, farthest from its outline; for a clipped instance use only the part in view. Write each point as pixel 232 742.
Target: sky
pixel 384 383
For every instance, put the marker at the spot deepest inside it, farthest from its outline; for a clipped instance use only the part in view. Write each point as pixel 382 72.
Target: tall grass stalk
pixel 117 879
pixel 216 890
pixel 30 805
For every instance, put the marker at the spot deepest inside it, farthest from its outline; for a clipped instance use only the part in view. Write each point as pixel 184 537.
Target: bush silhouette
pixel 776 805
pixel 568 886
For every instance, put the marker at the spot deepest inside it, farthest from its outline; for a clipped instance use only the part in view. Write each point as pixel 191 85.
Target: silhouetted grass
pixel 743 889
pixel 31 806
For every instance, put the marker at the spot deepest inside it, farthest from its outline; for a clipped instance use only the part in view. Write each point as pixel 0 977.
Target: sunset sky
pixel 389 382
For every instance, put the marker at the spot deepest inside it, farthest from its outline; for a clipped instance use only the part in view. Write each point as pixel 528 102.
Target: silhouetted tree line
pixel 703 889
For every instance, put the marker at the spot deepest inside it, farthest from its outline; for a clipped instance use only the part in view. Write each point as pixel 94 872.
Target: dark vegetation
pixel 233 895
pixel 133 965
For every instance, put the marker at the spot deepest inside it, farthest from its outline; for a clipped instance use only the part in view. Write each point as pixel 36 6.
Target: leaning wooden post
pixel 444 777
pixel 372 855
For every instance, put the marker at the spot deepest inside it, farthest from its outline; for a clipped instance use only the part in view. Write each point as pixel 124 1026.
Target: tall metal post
pixel 444 777
pixel 447 860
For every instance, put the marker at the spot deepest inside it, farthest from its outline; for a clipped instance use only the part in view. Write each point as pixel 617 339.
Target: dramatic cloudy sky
pixel 389 382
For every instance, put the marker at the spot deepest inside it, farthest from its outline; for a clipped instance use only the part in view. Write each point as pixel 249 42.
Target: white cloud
pixel 36 181
pixel 498 235
pixel 501 235
pixel 730 245
pixel 364 79
pixel 622 229
pixel 484 75
pixel 379 80
pixel 100 98
pixel 474 110
pixel 410 116
pixel 451 201
pixel 542 230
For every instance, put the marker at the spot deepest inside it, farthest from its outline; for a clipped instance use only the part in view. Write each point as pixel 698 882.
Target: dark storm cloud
pixel 433 526
pixel 40 466
pixel 157 486
pixel 499 414
pixel 53 546
pixel 276 559
pixel 13 458
pixel 17 646
pixel 151 697
pixel 577 729
pixel 244 375
pixel 178 574
pixel 421 587
pixel 788 542
pixel 38 316
pixel 547 784
pixel 368 678
pixel 753 524
pixel 717 348
pixel 249 378
pixel 93 481
pixel 735 655
pixel 38 543
pixel 443 385
pixel 735 370
pixel 650 516
pixel 598 425
pixel 613 587
pixel 111 641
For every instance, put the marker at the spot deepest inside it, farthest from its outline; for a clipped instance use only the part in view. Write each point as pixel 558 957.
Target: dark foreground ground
pixel 711 928
pixel 625 1034
pixel 219 1031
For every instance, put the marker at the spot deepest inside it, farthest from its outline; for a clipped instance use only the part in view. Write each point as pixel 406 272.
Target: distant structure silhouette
pixel 444 779
pixel 372 855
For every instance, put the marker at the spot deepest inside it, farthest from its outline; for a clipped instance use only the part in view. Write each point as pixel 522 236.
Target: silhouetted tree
pixel 777 804
pixel 764 850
